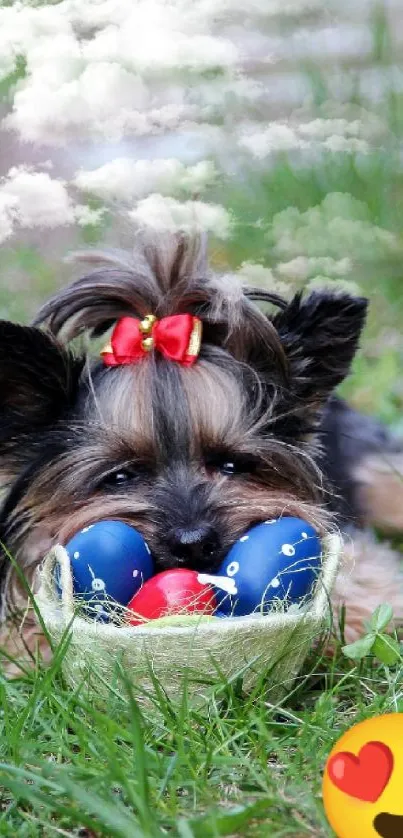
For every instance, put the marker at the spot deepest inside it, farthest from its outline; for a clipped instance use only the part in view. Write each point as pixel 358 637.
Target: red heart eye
pixel 364 776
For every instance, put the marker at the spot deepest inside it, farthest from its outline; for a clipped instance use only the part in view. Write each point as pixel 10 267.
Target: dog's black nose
pixel 194 547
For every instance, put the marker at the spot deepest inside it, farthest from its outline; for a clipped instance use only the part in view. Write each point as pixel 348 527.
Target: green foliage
pixel 238 766
pixel 376 642
pixel 7 83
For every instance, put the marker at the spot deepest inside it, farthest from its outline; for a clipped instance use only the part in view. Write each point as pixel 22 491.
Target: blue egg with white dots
pixel 110 561
pixel 278 559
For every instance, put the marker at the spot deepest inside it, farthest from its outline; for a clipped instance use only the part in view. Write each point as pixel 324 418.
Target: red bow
pixel 178 338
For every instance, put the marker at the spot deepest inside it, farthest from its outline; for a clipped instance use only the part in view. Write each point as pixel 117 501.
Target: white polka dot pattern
pixel 288 550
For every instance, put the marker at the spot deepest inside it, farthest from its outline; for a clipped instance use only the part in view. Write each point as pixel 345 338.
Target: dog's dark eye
pixel 121 477
pixel 231 466
pixel 117 479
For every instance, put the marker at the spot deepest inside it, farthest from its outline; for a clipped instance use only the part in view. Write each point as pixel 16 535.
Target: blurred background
pixel 275 125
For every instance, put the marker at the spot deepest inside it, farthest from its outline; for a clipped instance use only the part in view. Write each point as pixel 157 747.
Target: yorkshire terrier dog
pixel 212 409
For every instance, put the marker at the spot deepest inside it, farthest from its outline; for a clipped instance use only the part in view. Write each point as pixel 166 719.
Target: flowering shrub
pixel 179 116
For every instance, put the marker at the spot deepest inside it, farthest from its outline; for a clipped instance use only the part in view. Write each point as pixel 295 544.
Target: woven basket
pixel 200 651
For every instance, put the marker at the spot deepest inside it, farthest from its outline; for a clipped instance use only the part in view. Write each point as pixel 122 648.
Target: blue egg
pixel 279 559
pixel 110 561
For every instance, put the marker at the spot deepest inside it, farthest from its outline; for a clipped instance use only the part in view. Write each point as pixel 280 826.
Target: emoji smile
pixel 389 826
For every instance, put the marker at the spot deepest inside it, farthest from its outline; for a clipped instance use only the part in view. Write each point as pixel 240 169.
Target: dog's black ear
pixel 320 335
pixel 38 379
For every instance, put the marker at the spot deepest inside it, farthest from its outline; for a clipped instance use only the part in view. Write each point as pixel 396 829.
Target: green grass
pixel 241 767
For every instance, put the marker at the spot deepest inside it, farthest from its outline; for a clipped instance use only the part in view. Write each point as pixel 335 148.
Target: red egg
pixel 171 592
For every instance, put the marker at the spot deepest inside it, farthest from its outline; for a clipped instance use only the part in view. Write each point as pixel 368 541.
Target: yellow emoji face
pixel 363 780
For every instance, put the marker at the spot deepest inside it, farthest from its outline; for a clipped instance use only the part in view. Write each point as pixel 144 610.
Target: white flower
pixel 196 178
pixel 335 135
pixel 341 120
pixel 7 58
pixel 110 68
pixel 23 28
pixel 302 267
pixel 8 205
pixel 162 213
pixel 255 274
pixel 251 273
pixel 321 129
pixel 34 199
pixel 338 227
pixel 346 144
pixel 125 179
pixel 258 8
pixel 155 37
pixel 84 60
pixel 85 215
pixel 104 99
pixel 336 286
pixel 38 199
pixel 274 137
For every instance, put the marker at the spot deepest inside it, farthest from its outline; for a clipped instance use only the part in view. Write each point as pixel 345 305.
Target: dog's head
pixel 191 456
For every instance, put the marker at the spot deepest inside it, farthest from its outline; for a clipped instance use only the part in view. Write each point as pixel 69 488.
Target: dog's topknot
pixel 163 275
pixel 294 358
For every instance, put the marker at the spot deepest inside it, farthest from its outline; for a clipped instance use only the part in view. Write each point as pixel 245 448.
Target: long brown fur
pixel 257 399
